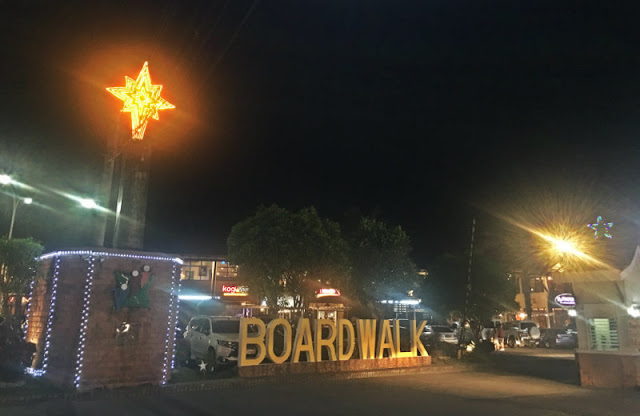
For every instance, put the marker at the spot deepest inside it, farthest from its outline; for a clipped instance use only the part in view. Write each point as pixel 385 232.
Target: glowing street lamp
pixel 88 203
pixel 564 246
pixel 5 179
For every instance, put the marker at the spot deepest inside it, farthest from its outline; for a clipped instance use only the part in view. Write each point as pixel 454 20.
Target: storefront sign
pixel 565 299
pixel 233 290
pixel 339 341
pixel 327 292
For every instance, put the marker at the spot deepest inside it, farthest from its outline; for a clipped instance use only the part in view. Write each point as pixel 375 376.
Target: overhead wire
pixel 226 49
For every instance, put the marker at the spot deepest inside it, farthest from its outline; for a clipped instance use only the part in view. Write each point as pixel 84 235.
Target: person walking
pixel 499 338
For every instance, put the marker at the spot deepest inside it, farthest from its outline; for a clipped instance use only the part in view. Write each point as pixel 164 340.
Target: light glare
pixel 88 203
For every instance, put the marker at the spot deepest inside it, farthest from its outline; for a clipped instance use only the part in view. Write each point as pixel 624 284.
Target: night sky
pixel 419 113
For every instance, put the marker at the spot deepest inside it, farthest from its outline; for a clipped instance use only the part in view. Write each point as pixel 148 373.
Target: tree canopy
pixel 381 267
pixel 283 253
pixel 18 260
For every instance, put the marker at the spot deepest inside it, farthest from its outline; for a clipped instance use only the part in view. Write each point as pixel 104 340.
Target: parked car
pixel 214 340
pixel 564 337
pixel 442 333
pixel 521 333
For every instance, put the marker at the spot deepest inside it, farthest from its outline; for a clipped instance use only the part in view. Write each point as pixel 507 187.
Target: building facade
pixel 544 300
pixel 210 285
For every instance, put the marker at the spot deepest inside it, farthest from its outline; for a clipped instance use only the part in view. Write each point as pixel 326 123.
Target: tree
pixel 380 262
pixel 283 253
pixel 18 259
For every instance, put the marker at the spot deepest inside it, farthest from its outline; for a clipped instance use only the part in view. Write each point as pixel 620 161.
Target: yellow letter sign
pixel 257 340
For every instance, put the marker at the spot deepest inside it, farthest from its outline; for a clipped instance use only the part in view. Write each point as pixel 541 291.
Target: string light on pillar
pixel 88 285
pixel 175 325
pixel 168 355
pixel 26 317
pixel 52 308
pixel 599 225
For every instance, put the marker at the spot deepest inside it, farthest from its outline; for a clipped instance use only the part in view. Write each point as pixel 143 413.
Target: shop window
pixel 536 284
pixel 225 270
pixel 196 270
pixel 604 334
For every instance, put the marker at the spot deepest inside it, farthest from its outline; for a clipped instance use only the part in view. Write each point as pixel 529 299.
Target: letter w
pixel 367 338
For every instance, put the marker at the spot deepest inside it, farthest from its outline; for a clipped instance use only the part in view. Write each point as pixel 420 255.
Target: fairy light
pixel 169 352
pixel 26 318
pixel 52 307
pixel 107 254
pixel 597 225
pixel 88 285
pixel 141 99
pixel 175 324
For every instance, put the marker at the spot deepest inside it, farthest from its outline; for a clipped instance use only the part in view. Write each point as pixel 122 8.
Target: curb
pixel 236 382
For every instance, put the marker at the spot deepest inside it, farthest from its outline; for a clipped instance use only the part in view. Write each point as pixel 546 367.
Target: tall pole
pixel 13 216
pixel 106 186
pixel 142 100
pixel 468 287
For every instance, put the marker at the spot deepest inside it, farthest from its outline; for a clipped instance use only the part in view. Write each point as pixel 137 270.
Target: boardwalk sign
pixel 337 339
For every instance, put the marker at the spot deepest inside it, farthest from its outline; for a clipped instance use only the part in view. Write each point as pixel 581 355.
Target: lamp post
pixel 6 180
pixel 16 202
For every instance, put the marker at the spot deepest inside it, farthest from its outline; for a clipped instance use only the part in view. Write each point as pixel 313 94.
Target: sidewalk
pixel 433 393
pixel 36 391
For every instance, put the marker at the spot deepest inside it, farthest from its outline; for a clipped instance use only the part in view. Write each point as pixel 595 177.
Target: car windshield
pixel 527 325
pixel 229 327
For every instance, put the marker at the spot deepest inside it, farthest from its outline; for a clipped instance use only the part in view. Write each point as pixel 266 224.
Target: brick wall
pixel 39 310
pixel 614 370
pixel 110 359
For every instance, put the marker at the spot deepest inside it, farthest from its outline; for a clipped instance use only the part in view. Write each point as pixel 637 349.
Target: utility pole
pixel 467 289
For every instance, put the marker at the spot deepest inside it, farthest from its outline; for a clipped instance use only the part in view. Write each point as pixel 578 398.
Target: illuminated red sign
pixel 234 290
pixel 327 292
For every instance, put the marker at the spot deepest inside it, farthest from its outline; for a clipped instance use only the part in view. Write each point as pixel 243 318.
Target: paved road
pixel 561 353
pixel 454 393
pixel 552 364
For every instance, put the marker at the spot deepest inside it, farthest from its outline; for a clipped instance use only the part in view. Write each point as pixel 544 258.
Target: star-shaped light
pixel 203 367
pixel 141 99
pixel 597 227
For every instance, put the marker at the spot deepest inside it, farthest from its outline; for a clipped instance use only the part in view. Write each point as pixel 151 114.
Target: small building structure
pixel 104 318
pixel 608 324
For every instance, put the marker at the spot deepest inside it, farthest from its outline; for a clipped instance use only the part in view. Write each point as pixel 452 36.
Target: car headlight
pixel 227 344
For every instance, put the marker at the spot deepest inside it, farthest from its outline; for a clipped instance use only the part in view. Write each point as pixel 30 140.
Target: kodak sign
pixel 339 341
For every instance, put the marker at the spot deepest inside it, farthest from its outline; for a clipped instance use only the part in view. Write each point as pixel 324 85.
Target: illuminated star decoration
pixel 203 367
pixel 141 99
pixel 597 227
